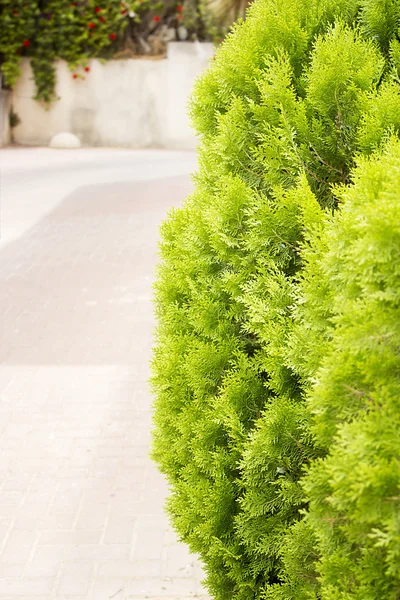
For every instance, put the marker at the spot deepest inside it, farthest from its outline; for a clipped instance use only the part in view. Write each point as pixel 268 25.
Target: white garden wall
pixel 134 103
pixel 5 105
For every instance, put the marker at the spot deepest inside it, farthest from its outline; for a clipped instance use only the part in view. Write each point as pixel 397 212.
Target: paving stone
pixel 18 546
pixel 106 588
pixel 119 529
pixel 29 587
pixel 46 561
pixel 76 579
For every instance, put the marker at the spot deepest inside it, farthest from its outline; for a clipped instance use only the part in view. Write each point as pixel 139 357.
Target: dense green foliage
pixel 49 29
pixel 355 400
pixel 295 95
pixel 345 336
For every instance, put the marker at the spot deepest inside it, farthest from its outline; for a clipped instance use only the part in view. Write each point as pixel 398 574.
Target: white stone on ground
pixel 65 140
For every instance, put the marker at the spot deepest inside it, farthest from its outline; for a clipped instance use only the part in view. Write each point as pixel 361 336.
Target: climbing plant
pixel 46 30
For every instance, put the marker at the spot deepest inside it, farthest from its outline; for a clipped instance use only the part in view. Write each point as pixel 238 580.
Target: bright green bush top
pixel 295 94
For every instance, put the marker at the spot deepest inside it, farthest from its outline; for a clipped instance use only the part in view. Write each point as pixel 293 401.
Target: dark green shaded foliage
pixel 295 93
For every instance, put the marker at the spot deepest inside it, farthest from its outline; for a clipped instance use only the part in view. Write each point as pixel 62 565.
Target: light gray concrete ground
pixel 81 504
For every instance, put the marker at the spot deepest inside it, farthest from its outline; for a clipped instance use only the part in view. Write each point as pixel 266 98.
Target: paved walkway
pixel 80 502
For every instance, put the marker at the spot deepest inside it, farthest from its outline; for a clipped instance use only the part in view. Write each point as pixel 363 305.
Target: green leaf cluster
pixel 266 357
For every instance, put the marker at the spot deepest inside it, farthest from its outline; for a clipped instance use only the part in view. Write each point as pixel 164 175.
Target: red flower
pixel 179 17
pixel 179 8
pixel 102 19
pixel 123 12
pixel 156 19
pixel 113 36
pixel 91 25
pixel 97 9
pixel 26 43
pixel 87 69
pixel 75 76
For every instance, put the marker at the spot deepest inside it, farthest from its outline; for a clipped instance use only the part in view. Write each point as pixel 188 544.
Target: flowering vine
pixel 76 31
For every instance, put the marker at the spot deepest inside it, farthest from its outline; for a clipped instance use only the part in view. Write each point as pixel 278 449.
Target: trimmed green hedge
pixel 294 95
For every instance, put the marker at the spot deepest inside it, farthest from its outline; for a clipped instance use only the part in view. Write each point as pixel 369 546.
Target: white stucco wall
pixel 134 103
pixel 5 105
